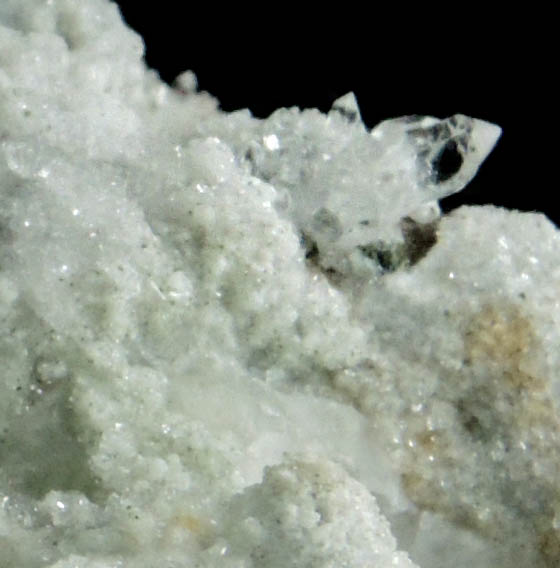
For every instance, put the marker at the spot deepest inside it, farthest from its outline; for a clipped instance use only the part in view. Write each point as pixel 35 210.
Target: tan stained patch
pixel 423 491
pixel 549 544
pixel 502 401
pixel 186 526
pixel 502 341
pixel 502 337
pixel 193 524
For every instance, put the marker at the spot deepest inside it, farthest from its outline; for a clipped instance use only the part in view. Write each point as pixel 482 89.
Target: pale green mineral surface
pixel 237 343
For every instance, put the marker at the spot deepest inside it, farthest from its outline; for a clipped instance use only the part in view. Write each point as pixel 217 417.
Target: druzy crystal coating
pixel 238 342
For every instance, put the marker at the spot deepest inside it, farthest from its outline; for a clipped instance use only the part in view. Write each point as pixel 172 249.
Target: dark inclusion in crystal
pixel 381 255
pixel 419 238
pixel 310 247
pixel 386 259
pixel 447 163
pixel 349 115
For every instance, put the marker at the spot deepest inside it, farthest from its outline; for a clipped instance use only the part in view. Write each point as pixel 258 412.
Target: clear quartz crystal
pixel 230 342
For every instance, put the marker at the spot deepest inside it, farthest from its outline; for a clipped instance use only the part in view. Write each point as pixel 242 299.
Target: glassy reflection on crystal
pixel 233 342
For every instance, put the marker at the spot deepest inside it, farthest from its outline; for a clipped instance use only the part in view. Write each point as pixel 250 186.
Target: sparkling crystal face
pixel 234 342
pixel 350 189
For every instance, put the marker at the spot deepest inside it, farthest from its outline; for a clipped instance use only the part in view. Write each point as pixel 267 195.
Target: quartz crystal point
pixel 229 342
pixel 349 188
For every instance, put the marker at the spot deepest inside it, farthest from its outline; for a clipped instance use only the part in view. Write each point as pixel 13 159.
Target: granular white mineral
pixel 237 343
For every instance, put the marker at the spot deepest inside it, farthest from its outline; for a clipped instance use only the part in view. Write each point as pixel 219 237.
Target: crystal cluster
pixel 238 343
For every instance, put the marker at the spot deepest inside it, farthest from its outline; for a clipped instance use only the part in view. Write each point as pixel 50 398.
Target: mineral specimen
pixel 229 342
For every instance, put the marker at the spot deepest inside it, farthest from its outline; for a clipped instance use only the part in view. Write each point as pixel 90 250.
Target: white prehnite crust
pixel 229 342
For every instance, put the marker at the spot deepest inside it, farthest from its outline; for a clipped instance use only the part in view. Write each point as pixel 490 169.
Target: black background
pixel 404 63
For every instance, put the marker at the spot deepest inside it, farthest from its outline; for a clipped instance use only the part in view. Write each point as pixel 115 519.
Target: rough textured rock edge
pixel 98 456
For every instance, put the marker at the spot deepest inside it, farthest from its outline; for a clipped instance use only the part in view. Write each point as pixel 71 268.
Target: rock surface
pixel 231 342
